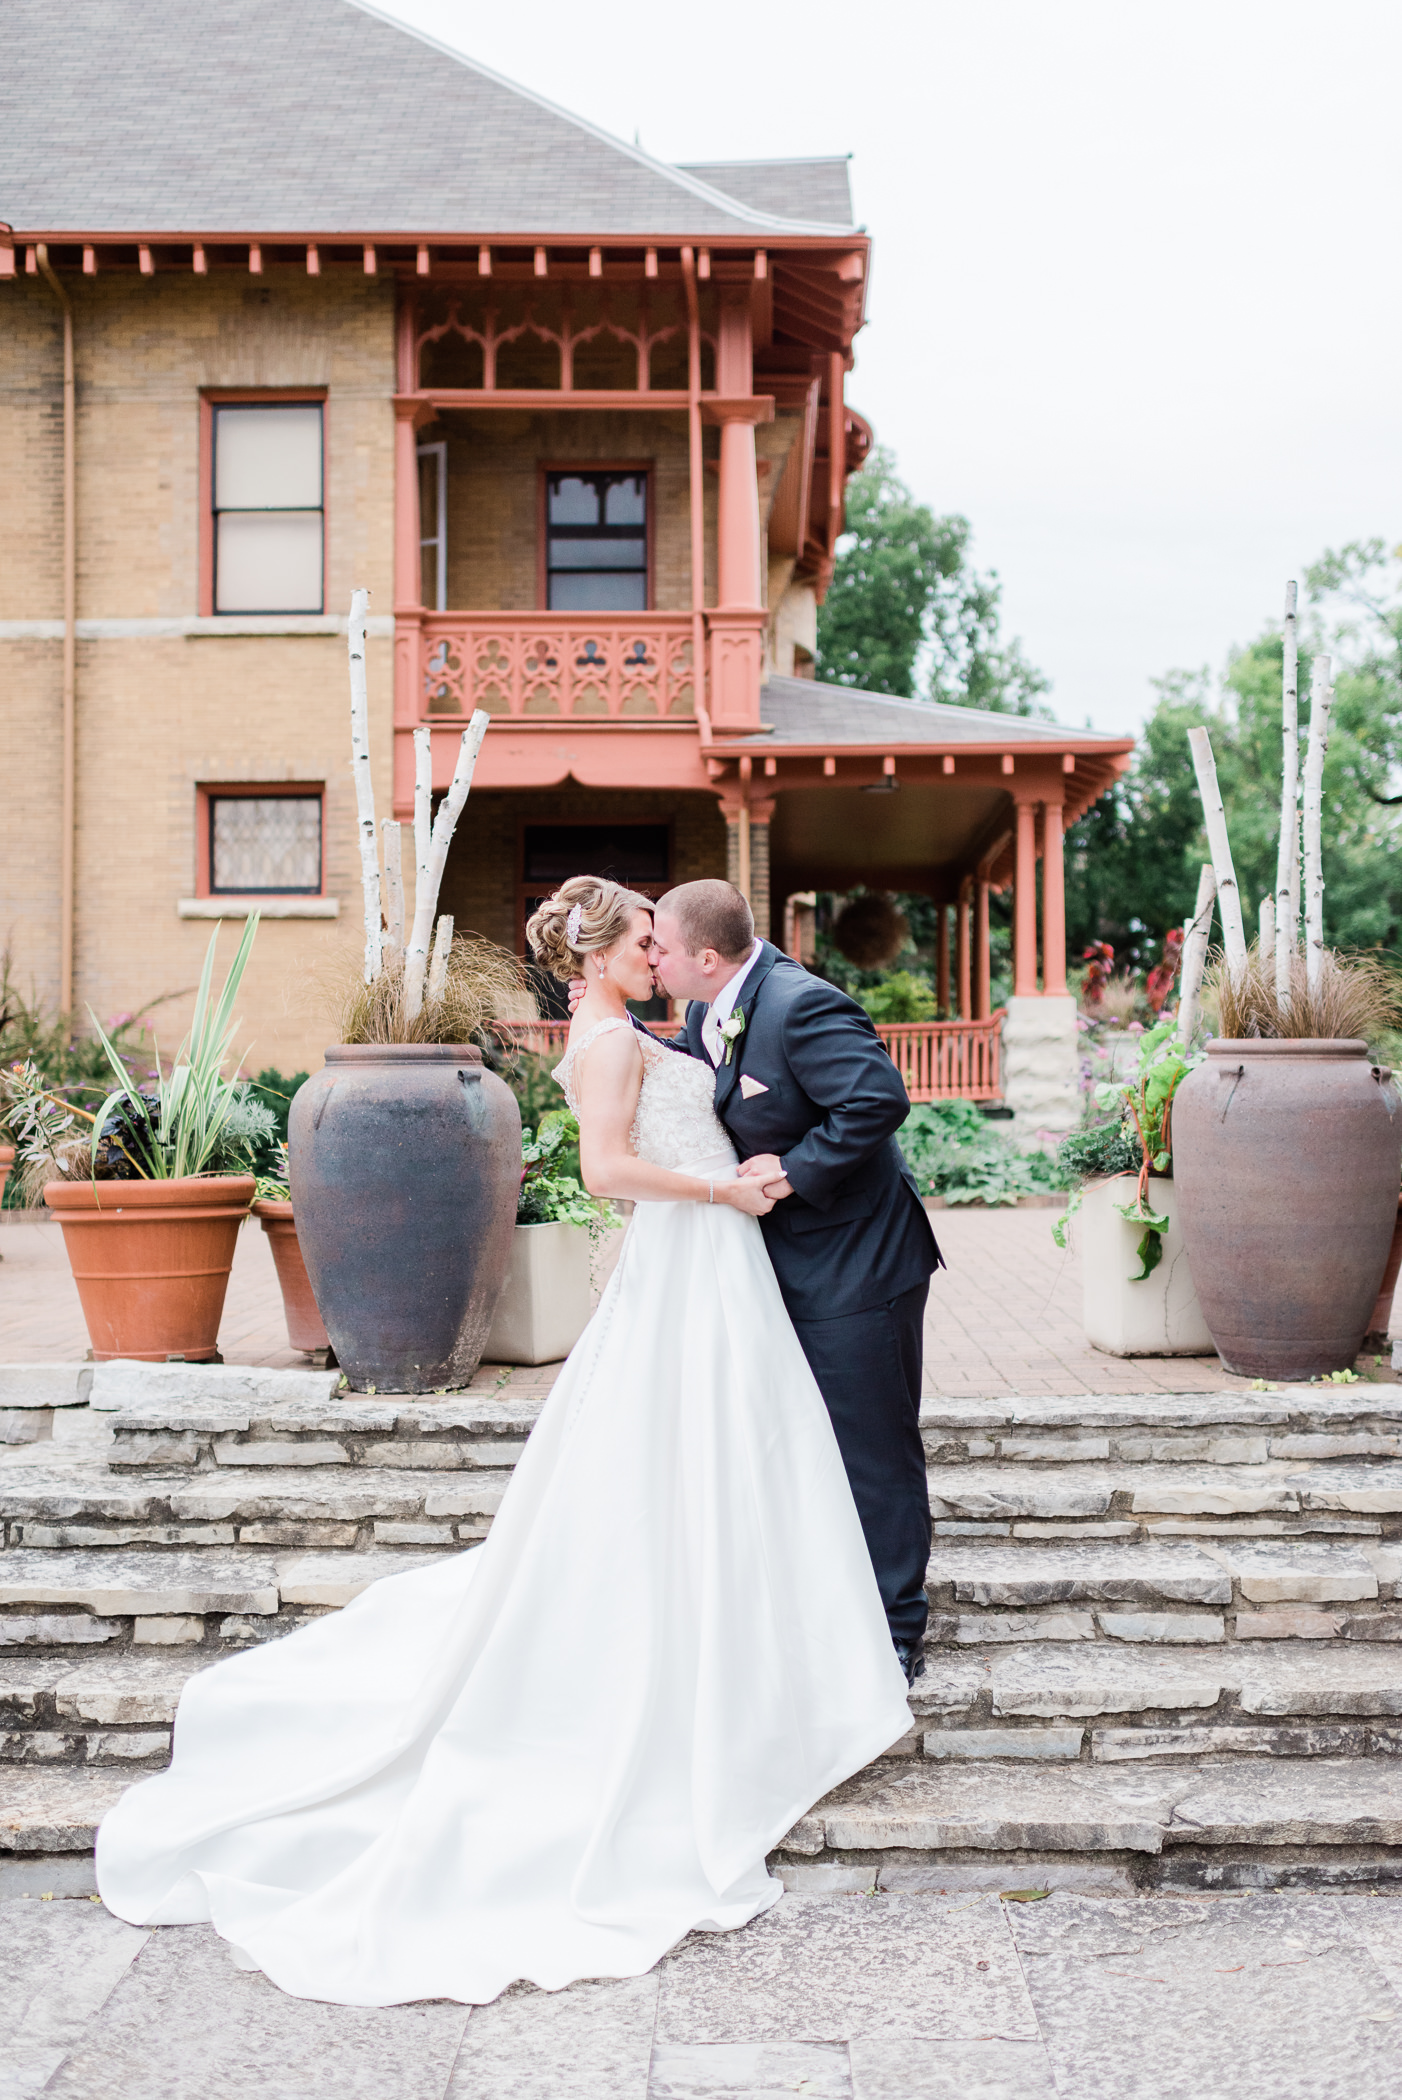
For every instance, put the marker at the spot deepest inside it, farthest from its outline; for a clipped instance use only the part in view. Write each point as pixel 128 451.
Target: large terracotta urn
pixel 1286 1159
pixel 405 1162
pixel 151 1260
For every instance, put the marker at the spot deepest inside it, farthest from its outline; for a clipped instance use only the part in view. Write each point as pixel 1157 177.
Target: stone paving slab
pixel 998 1491
pixel 750 2071
pixel 1311 1407
pixel 1256 1996
pixel 828 1969
pixel 1048 1574
pixel 592 2041
pixel 1100 1808
pixel 887 2067
pixel 56 1810
pixel 140 1582
pixel 109 1691
pixel 65 1489
pixel 336 1578
pixel 1054 1681
pixel 59 1962
pixel 45 1385
pixel 185 2024
pixel 123 1383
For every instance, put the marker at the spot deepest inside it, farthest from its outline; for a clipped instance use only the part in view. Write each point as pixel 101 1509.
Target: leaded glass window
pixel 596 542
pixel 264 845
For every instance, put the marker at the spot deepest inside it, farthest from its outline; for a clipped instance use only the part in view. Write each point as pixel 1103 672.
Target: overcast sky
pixel 1135 301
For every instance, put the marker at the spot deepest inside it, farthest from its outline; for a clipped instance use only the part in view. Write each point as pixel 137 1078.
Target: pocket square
pixel 750 1087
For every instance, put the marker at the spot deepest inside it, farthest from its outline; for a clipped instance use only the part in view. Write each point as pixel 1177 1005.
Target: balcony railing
pixel 631 667
pixel 938 1060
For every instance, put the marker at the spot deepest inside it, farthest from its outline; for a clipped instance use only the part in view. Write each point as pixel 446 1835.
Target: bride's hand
pixel 745 1195
pixel 577 988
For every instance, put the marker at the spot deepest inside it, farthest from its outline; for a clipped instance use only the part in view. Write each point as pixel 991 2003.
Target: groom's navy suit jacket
pixel 854 1233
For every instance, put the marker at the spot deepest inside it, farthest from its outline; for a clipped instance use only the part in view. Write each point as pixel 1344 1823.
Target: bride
pixel 553 1755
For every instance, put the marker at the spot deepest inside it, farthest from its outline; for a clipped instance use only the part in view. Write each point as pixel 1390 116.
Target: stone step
pixel 53 1601
pixel 238 1428
pixel 1320 1821
pixel 1258 1591
pixel 1221 1825
pixel 996 1496
pixel 65 1502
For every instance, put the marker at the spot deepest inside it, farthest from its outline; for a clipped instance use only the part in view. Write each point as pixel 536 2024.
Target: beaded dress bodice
pixel 676 1121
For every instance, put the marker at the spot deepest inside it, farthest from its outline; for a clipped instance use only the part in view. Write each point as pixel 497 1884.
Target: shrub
pixel 900 997
pixel 955 1153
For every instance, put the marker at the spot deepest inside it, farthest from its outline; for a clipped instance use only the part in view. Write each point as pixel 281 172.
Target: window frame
pixel 645 468
pixel 209 791
pixel 212 397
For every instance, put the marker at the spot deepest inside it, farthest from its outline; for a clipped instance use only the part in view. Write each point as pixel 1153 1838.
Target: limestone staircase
pixel 1165 1636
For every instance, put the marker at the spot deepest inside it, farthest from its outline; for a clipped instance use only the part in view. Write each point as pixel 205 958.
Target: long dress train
pixel 553 1755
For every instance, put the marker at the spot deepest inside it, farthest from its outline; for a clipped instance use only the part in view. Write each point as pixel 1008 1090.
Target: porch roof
pixel 152 117
pixel 807 712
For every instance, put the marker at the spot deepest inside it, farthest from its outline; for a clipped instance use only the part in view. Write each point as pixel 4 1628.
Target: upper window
pixel 268 516
pixel 264 844
pixel 596 542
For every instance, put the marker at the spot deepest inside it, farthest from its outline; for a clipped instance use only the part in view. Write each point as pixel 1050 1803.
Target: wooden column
pixel 983 998
pixel 961 951
pixel 942 961
pixel 1025 903
pixel 1053 900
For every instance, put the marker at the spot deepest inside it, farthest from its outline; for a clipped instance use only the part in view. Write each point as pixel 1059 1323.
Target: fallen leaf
pixel 1023 1895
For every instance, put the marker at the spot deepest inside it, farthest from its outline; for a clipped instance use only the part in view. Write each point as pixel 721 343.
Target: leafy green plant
pixel 1138 1135
pixel 900 996
pixel 955 1152
pixel 194 1121
pixel 551 1190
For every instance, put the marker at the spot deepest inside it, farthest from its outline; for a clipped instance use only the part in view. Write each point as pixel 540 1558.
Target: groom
pixel 812 1101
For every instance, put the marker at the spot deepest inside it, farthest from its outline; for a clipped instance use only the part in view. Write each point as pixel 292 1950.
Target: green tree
pixel 907 614
pixel 1133 859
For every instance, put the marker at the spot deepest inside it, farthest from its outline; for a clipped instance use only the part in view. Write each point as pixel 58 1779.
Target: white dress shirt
pixel 723 1006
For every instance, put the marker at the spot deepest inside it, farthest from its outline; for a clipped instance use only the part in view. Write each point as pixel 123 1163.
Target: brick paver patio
pixel 1005 1317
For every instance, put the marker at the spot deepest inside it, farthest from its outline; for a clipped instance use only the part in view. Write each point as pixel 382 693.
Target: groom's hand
pixel 768 1168
pixel 577 989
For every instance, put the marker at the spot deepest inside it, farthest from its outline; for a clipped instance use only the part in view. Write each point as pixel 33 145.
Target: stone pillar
pixel 761 814
pixel 961 951
pixel 983 997
pixel 1025 902
pixel 942 961
pixel 1041 1063
pixel 1053 901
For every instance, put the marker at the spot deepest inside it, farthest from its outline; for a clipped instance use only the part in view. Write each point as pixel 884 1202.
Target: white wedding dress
pixel 553 1755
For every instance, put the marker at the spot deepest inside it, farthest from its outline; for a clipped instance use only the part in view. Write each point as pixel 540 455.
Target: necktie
pixel 710 1036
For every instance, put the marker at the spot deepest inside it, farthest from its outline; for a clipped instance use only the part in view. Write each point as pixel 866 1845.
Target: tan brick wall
pixel 157 715
pixel 480 884
pixel 494 467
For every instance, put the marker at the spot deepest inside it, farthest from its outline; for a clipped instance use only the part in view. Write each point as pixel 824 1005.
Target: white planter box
pixel 1159 1317
pixel 546 1300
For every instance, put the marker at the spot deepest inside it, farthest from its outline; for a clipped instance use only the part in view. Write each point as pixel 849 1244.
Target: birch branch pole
pixel 1219 846
pixel 1196 934
pixel 438 967
pixel 1287 864
pixel 364 785
pixel 394 887
pixel 1321 700
pixel 433 853
pixel 1265 946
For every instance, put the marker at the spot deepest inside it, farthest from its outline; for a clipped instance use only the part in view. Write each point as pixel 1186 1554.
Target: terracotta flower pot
pixel 151 1260
pixel 304 1327
pixel 405 1161
pixel 1286 1158
pixel 7 1160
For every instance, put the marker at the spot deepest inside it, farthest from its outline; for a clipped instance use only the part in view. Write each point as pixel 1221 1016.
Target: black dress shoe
pixel 911 1660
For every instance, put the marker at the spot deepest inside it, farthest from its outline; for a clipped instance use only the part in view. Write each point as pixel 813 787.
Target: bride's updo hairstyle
pixel 586 914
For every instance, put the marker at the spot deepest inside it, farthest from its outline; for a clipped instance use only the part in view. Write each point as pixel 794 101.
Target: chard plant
pixel 1137 1132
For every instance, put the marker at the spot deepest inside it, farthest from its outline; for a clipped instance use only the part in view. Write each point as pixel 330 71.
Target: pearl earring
pixel 601 965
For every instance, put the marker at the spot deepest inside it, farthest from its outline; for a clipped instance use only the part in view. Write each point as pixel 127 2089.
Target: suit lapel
pixel 728 1075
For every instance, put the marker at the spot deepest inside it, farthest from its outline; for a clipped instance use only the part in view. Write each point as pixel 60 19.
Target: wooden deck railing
pixel 938 1060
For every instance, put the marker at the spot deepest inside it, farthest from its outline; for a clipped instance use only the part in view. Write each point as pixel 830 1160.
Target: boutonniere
pixel 731 1031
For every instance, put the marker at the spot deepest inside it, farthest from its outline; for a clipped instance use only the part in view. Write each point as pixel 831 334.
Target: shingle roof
pixel 795 189
pixel 805 711
pixel 305 116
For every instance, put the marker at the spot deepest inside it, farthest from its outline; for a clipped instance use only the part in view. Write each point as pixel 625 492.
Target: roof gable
pixel 306 116
pixel 807 711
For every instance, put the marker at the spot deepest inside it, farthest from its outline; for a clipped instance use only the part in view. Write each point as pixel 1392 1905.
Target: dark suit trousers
pixel 868 1367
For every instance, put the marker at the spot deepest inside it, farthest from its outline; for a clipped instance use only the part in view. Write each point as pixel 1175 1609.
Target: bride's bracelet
pixel 711 1196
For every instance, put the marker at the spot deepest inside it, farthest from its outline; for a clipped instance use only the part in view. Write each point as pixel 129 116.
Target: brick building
pixel 293 300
